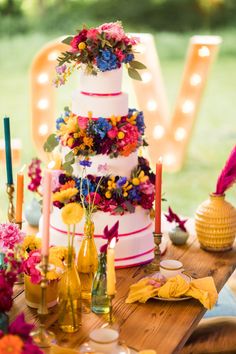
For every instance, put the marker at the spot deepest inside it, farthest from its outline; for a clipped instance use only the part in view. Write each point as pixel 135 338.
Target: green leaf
pixel 69 157
pixel 119 210
pixel 130 207
pixel 137 65
pixel 67 167
pixel 67 40
pixel 50 143
pixel 145 143
pixel 134 74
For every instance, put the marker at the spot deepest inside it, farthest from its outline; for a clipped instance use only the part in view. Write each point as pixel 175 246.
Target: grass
pixel 213 137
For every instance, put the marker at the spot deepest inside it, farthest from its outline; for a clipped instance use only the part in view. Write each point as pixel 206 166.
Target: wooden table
pixel 159 325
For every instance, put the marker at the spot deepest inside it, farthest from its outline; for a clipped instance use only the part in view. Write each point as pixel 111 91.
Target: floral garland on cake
pixel 102 48
pixel 115 136
pixel 114 194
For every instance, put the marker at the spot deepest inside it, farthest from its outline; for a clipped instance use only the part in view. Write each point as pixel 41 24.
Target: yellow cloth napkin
pixel 204 290
pixel 174 287
pixel 143 290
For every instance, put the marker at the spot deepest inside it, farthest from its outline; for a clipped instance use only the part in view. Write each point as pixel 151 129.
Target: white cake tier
pixel 118 166
pixel 102 83
pixel 135 245
pixel 100 106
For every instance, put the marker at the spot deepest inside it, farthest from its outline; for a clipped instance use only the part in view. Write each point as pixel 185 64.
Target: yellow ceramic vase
pixel 33 293
pixel 215 223
pixel 87 263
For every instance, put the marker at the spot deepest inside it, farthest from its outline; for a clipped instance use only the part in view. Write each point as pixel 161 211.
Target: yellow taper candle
pixel 111 275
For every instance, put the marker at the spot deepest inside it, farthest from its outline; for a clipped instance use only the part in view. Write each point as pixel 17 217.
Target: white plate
pixel 188 278
pixel 124 349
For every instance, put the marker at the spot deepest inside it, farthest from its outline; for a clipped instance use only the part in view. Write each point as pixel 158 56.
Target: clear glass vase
pixel 70 308
pixel 100 302
pixel 87 263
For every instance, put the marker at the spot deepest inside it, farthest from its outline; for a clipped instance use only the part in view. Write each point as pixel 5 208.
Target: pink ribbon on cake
pixel 100 94
pixel 101 236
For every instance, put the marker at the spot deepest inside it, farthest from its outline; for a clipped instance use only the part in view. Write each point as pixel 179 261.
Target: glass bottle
pixel 87 263
pixel 70 307
pixel 100 302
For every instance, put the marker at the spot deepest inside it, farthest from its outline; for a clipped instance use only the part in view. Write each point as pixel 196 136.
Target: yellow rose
pixel 64 195
pixel 72 213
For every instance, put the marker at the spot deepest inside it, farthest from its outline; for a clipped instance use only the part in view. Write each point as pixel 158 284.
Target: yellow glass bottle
pixel 70 305
pixel 87 263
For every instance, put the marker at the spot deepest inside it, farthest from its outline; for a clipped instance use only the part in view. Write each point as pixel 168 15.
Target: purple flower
pixel 121 181
pixel 60 69
pixel 85 163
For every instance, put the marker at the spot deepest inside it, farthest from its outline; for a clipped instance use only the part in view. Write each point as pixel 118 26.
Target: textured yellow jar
pixel 215 223
pixel 33 293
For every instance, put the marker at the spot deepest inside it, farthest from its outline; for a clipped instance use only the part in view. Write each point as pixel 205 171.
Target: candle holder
pixel 111 319
pixel 154 266
pixel 41 336
pixel 11 210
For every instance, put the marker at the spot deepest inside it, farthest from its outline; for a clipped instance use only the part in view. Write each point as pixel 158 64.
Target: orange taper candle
pixel 158 186
pixel 47 191
pixel 19 196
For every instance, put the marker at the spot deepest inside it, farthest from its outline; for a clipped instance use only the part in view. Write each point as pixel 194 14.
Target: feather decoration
pixel 227 176
pixel 109 235
pixel 172 217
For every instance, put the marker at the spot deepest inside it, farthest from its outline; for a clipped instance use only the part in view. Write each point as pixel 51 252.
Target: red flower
pixel 81 37
pixel 21 328
pixel 6 293
pixel 112 133
pixel 93 198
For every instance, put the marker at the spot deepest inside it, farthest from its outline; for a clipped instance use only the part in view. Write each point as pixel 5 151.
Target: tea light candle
pixel 47 191
pixel 111 275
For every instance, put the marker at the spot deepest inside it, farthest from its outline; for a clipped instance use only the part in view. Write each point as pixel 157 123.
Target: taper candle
pixel 111 275
pixel 47 191
pixel 158 188
pixel 19 196
pixel 7 135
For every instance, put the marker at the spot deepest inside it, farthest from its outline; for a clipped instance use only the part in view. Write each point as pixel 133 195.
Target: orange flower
pixel 70 184
pixel 128 149
pixel 11 344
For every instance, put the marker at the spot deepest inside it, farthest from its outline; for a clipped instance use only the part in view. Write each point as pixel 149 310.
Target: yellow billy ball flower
pixel 121 135
pixel 125 194
pixel 82 45
pixel 72 213
pixel 108 194
pixel 70 142
pixel 135 181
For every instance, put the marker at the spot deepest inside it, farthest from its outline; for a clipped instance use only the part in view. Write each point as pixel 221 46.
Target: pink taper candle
pixel 47 191
pixel 158 196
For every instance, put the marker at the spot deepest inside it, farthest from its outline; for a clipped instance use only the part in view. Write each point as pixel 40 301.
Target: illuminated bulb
pixel 151 105
pixel 180 134
pixel 146 77
pixel 42 78
pixel 53 55
pixel 169 159
pixel 158 132
pixel 43 129
pixel 43 103
pixel 187 107
pixel 140 48
pixel 195 79
pixel 204 52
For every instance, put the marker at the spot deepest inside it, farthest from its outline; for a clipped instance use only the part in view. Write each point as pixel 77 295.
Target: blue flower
pixel 59 121
pixel 87 186
pixel 134 194
pixel 106 54
pixel 85 163
pixel 128 58
pixel 102 64
pixel 140 122
pixel 107 60
pixel 121 181
pixel 101 127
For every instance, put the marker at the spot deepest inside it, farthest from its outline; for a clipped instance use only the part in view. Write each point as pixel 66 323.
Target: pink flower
pixel 131 135
pixel 120 55
pixel 55 179
pixel 81 37
pixel 29 266
pixel 93 198
pixel 103 168
pixel 10 235
pixel 82 122
pixel 113 30
pixel 112 133
pixel 92 34
pixel 147 188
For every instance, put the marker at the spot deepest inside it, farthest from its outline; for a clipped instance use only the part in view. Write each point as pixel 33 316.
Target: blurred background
pixel 26 25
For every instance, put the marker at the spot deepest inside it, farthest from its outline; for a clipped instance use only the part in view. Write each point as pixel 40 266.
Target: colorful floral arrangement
pixel 35 175
pixel 87 136
pixel 172 217
pixel 108 235
pixel 103 48
pixel 57 255
pixel 17 340
pixel 112 194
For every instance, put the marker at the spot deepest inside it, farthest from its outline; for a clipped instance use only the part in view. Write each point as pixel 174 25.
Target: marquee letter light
pixel 167 137
pixel 43 110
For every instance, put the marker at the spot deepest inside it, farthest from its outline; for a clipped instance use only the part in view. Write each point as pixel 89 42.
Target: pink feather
pixel 227 176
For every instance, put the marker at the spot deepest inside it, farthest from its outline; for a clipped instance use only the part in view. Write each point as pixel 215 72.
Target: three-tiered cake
pixel 100 138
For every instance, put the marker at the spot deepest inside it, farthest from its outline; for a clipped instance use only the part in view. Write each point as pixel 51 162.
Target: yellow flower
pixel 72 213
pixel 70 142
pixel 88 141
pixel 121 135
pixel 135 181
pixel 64 195
pixel 60 252
pixel 82 45
pixel 11 344
pixel 71 126
pixel 30 243
pixel 108 194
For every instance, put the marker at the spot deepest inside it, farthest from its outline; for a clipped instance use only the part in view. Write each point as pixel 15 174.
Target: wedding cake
pixel 99 140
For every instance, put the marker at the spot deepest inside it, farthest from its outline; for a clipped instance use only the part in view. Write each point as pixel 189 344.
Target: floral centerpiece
pixel 101 48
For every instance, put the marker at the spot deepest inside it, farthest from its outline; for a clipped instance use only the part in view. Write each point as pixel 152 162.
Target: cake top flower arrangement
pixel 101 48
